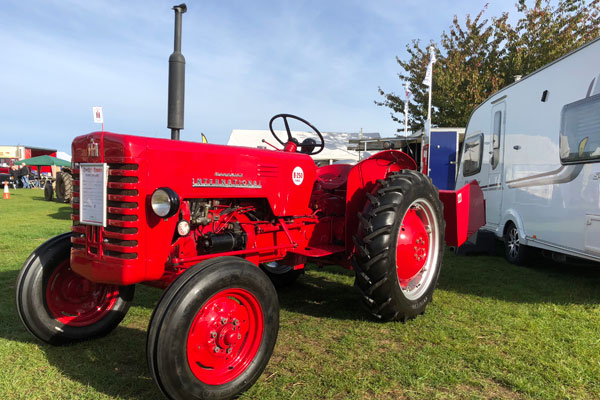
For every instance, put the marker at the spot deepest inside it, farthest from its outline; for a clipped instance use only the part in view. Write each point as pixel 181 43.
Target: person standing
pixel 24 172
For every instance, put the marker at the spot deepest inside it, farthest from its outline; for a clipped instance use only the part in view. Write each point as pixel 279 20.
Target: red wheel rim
pixel 417 249
pixel 225 336
pixel 413 246
pixel 76 301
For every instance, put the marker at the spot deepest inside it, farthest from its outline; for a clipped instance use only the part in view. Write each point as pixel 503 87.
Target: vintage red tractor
pixel 215 231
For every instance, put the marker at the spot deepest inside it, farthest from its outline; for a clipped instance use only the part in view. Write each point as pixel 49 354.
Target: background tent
pixel 44 160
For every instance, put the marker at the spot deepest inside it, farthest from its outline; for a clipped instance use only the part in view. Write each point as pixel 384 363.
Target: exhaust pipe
pixel 176 78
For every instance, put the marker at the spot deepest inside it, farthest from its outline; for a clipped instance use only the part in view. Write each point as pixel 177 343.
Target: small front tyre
pixel 58 306
pixel 213 331
pixel 399 246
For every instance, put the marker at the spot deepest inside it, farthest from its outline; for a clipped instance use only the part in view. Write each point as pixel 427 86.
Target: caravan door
pixel 493 188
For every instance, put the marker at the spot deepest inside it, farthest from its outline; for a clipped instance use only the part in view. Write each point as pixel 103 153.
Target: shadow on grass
pixel 114 365
pixel 63 213
pixel 315 295
pixel 541 281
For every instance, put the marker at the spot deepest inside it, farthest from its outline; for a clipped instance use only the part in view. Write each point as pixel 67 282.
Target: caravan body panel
pixel 540 155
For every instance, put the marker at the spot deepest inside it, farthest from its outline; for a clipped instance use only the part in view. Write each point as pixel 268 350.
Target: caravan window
pixel 496 139
pixel 472 155
pixel 580 131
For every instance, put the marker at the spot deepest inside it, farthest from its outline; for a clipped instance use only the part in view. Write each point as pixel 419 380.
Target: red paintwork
pixel 307 213
pixel 225 336
pixel 75 301
pixel 411 250
pixel 464 212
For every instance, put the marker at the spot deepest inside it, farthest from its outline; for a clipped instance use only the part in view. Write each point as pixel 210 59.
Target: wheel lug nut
pixel 213 334
pixel 236 322
pixel 239 336
pixel 229 350
pixel 223 321
pixel 216 349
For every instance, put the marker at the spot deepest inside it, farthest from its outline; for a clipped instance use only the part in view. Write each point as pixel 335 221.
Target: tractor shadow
pixel 542 280
pixel 63 213
pixel 323 293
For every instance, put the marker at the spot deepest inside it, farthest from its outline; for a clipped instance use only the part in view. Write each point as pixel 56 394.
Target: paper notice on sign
pixel 98 117
pixel 92 197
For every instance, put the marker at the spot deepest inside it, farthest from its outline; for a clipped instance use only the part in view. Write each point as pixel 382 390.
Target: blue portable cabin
pixel 440 152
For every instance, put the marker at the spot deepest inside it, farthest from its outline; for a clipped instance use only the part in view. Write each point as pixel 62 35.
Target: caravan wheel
pixel 515 252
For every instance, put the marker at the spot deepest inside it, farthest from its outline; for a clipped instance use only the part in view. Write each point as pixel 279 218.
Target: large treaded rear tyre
pixel 58 306
pixel 399 246
pixel 213 330
pixel 64 187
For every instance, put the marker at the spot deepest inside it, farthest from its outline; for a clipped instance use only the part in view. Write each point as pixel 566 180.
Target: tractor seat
pixel 334 176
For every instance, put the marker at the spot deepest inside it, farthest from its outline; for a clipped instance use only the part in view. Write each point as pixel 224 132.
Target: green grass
pixel 494 331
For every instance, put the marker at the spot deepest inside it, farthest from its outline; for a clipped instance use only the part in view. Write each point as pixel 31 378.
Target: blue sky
pixel 246 61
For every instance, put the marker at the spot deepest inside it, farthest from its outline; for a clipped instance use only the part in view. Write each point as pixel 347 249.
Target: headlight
pixel 165 202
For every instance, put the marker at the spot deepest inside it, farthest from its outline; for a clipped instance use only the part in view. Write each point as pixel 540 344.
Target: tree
pixel 484 55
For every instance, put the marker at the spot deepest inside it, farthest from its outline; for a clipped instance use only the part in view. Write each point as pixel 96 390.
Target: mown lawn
pixel 494 331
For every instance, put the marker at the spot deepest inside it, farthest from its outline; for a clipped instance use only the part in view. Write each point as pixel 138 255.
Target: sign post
pixel 98 117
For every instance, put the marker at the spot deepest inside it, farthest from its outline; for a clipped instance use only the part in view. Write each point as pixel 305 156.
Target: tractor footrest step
pixel 320 251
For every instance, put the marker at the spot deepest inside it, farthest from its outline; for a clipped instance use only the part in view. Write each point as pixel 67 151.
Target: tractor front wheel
pixel 213 331
pixel 58 306
pixel 281 275
pixel 399 246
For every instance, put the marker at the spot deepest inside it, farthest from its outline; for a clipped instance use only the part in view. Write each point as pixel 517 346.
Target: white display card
pixel 92 193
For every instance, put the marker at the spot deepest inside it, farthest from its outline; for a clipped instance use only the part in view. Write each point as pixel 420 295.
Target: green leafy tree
pixel 479 57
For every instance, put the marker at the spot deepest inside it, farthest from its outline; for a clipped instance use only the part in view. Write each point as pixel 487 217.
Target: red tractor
pixel 219 232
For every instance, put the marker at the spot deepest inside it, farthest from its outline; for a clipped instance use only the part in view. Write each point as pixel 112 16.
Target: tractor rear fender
pixel 363 178
pixel 464 212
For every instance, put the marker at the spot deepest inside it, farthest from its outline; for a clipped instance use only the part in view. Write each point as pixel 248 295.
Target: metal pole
pixel 406 110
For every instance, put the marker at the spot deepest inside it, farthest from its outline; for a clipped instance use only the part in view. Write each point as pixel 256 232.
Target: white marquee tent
pixel 336 143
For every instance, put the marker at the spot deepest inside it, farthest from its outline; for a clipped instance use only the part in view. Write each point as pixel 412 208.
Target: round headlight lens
pixel 165 202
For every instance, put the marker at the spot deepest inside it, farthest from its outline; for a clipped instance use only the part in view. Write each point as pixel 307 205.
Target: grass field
pixel 494 331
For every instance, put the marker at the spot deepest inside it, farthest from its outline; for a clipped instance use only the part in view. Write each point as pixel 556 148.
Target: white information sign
pixel 98 117
pixel 92 193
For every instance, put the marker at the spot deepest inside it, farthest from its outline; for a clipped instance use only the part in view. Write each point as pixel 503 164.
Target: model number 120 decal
pixel 297 175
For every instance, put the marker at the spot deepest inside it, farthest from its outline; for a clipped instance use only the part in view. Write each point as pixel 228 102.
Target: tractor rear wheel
pixel 64 187
pixel 58 306
pixel 399 246
pixel 213 331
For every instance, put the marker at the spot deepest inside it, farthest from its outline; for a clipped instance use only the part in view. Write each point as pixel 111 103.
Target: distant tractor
pixel 62 186
pixel 214 233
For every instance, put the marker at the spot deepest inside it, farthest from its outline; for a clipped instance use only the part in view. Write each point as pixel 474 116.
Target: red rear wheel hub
pixel 412 247
pixel 76 301
pixel 225 336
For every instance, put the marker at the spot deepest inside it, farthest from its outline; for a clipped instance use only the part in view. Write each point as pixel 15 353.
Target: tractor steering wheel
pixel 317 148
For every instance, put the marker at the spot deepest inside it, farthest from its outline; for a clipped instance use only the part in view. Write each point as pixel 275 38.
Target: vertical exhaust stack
pixel 176 78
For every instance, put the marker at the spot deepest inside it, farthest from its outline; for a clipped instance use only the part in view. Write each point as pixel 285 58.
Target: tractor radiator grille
pixel 120 236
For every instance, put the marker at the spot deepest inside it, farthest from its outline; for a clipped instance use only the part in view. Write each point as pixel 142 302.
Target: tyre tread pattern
pixel 375 277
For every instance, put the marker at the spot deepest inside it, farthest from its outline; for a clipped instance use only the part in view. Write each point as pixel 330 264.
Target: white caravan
pixel 534 148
